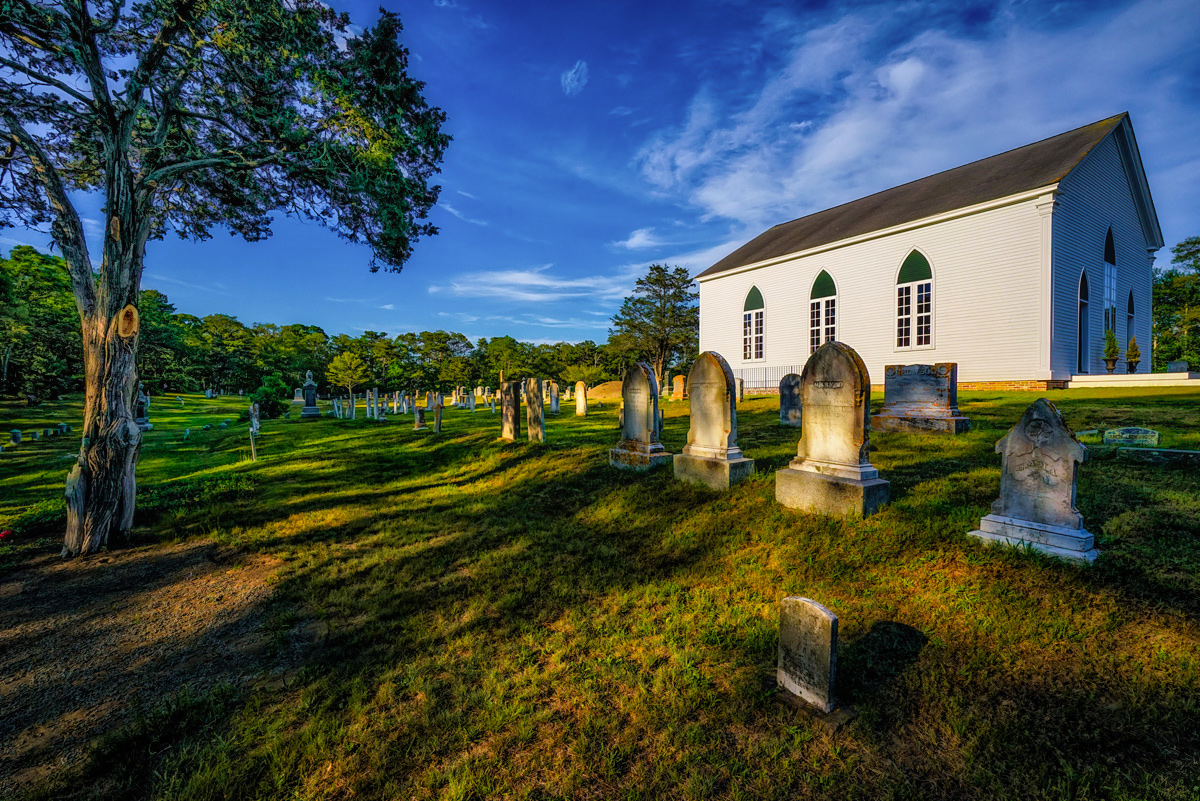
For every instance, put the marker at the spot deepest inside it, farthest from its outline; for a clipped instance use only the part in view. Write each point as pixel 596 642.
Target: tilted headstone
pixel 580 399
pixel 310 410
pixel 921 397
pixel 510 411
pixel 712 456
pixel 419 419
pixel 1036 509
pixel 791 405
pixel 554 409
pixel 678 388
pixel 831 473
pixel 639 448
pixel 1138 437
pixel 808 635
pixel 535 418
pixel 1177 366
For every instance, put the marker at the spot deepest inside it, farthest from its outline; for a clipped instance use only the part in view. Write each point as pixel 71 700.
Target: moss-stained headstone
pixel 808 652
pixel 712 456
pixel 791 407
pixel 639 448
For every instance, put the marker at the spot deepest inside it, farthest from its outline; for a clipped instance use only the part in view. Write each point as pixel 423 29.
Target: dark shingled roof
pixel 1010 173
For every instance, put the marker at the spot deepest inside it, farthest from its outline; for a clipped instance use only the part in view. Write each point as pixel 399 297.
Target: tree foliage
pixel 348 370
pixel 660 322
pixel 1177 307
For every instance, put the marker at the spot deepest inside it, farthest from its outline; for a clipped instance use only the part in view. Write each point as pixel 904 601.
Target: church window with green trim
pixel 753 325
pixel 914 303
pixel 822 312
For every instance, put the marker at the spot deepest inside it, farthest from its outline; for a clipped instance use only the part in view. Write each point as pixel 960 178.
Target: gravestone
pixel 297 398
pixel 37 434
pixel 919 398
pixel 580 399
pixel 187 432
pixel 711 456
pixel 471 403
pixel 419 419
pixel 255 426
pixel 141 409
pixel 554 409
pixel 1036 508
pixel 831 473
pixel 63 428
pixel 510 411
pixel 791 407
pixel 223 424
pixel 437 418
pixel 1138 437
pixel 535 419
pixel 740 393
pixel 180 399
pixel 207 427
pixel 429 401
pixel 310 410
pixel 492 403
pixel 678 391
pixel 1178 366
pixel 808 652
pixel 639 448
pixel 208 393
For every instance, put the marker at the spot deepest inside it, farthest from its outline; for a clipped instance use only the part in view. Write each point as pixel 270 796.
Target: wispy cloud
pixel 574 79
pixel 218 288
pixel 538 285
pixel 462 317
pixel 388 306
pixel 465 194
pixel 460 215
pixel 621 111
pixel 641 238
pixel 871 100
pixel 546 322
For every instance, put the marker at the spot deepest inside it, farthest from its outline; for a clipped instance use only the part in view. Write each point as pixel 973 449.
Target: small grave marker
pixel 808 652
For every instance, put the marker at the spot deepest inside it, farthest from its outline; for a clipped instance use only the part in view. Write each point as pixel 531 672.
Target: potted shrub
pixel 1111 350
pixel 1133 355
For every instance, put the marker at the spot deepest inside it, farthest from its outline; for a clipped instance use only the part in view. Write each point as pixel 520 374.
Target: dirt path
pixel 85 643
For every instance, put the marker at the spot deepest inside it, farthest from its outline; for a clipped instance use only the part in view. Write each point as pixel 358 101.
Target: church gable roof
pixel 1012 172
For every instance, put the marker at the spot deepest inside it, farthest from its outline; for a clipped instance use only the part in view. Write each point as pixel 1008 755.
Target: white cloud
pixel 621 111
pixel 218 288
pixel 460 215
pixel 465 194
pixel 856 109
pixel 641 238
pixel 574 79
pixel 538 284
pixel 462 317
pixel 388 306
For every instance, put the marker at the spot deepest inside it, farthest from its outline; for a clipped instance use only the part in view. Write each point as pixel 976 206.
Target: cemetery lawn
pixel 371 612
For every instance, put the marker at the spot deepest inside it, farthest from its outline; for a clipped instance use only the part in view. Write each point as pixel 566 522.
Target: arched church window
pixel 1082 357
pixel 822 312
pixel 1110 283
pixel 753 325
pixel 1129 317
pixel 914 302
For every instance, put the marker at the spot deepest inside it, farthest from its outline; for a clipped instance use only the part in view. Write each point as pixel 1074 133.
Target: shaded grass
pixel 508 620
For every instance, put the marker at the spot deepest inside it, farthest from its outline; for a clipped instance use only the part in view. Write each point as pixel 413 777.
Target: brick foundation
pixel 986 386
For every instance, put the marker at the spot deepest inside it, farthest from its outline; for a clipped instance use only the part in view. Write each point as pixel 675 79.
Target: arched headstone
pixel 639 448
pixel 510 410
pixel 535 417
pixel 1036 508
pixel 678 388
pixel 712 456
pixel 831 473
pixel 580 399
pixel 791 406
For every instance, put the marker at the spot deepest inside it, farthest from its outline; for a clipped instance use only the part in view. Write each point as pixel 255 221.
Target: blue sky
pixel 591 139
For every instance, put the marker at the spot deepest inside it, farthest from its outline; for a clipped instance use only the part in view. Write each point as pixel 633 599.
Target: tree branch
pixel 229 161
pixel 45 80
pixel 67 229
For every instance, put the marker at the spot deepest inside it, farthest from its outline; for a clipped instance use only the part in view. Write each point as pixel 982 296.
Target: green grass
pixel 516 621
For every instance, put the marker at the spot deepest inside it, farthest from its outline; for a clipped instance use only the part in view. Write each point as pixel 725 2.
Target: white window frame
pixel 754 335
pixel 825 327
pixel 913 318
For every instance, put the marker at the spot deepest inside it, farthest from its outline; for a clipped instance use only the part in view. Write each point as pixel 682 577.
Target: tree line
pixel 42 349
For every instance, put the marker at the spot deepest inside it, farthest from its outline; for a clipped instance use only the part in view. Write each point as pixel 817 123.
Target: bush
pixel 1111 349
pixel 1133 353
pixel 273 397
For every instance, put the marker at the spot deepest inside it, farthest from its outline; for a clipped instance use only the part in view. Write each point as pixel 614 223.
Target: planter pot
pixel 1110 365
pixel 1132 366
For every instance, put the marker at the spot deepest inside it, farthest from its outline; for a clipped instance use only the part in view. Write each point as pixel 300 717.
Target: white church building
pixel 1014 267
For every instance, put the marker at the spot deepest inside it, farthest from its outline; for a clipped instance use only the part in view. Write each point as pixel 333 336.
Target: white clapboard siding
pixel 987 272
pixel 1093 196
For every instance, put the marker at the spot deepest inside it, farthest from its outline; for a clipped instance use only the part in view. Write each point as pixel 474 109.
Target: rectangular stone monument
pixel 297 398
pixel 510 411
pixel 580 399
pixel 554 409
pixel 808 652
pixel 535 418
pixel 740 393
pixel 831 473
pixel 791 406
pixel 419 419
pixel 1177 366
pixel 639 448
pixel 678 388
pixel 437 419
pixel 920 398
pixel 712 456
pixel 310 410
pixel 1138 437
pixel 1036 509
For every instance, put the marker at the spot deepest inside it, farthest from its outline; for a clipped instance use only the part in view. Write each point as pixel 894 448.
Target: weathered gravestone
pixel 1138 437
pixel 419 419
pixel 1036 508
pixel 791 407
pixel 535 419
pixel 580 399
pixel 471 402
pixel 921 397
pixel 437 418
pixel 712 456
pixel 297 398
pixel 808 652
pixel 1178 366
pixel 255 425
pixel 554 408
pixel 678 388
pixel 310 410
pixel 831 473
pixel 740 392
pixel 510 411
pixel 639 448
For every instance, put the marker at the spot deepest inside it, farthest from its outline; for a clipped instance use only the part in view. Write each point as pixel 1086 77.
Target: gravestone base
pixel 310 413
pixel 719 474
pixel 836 496
pixel 921 425
pixel 1072 544
pixel 638 459
pixel 144 426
